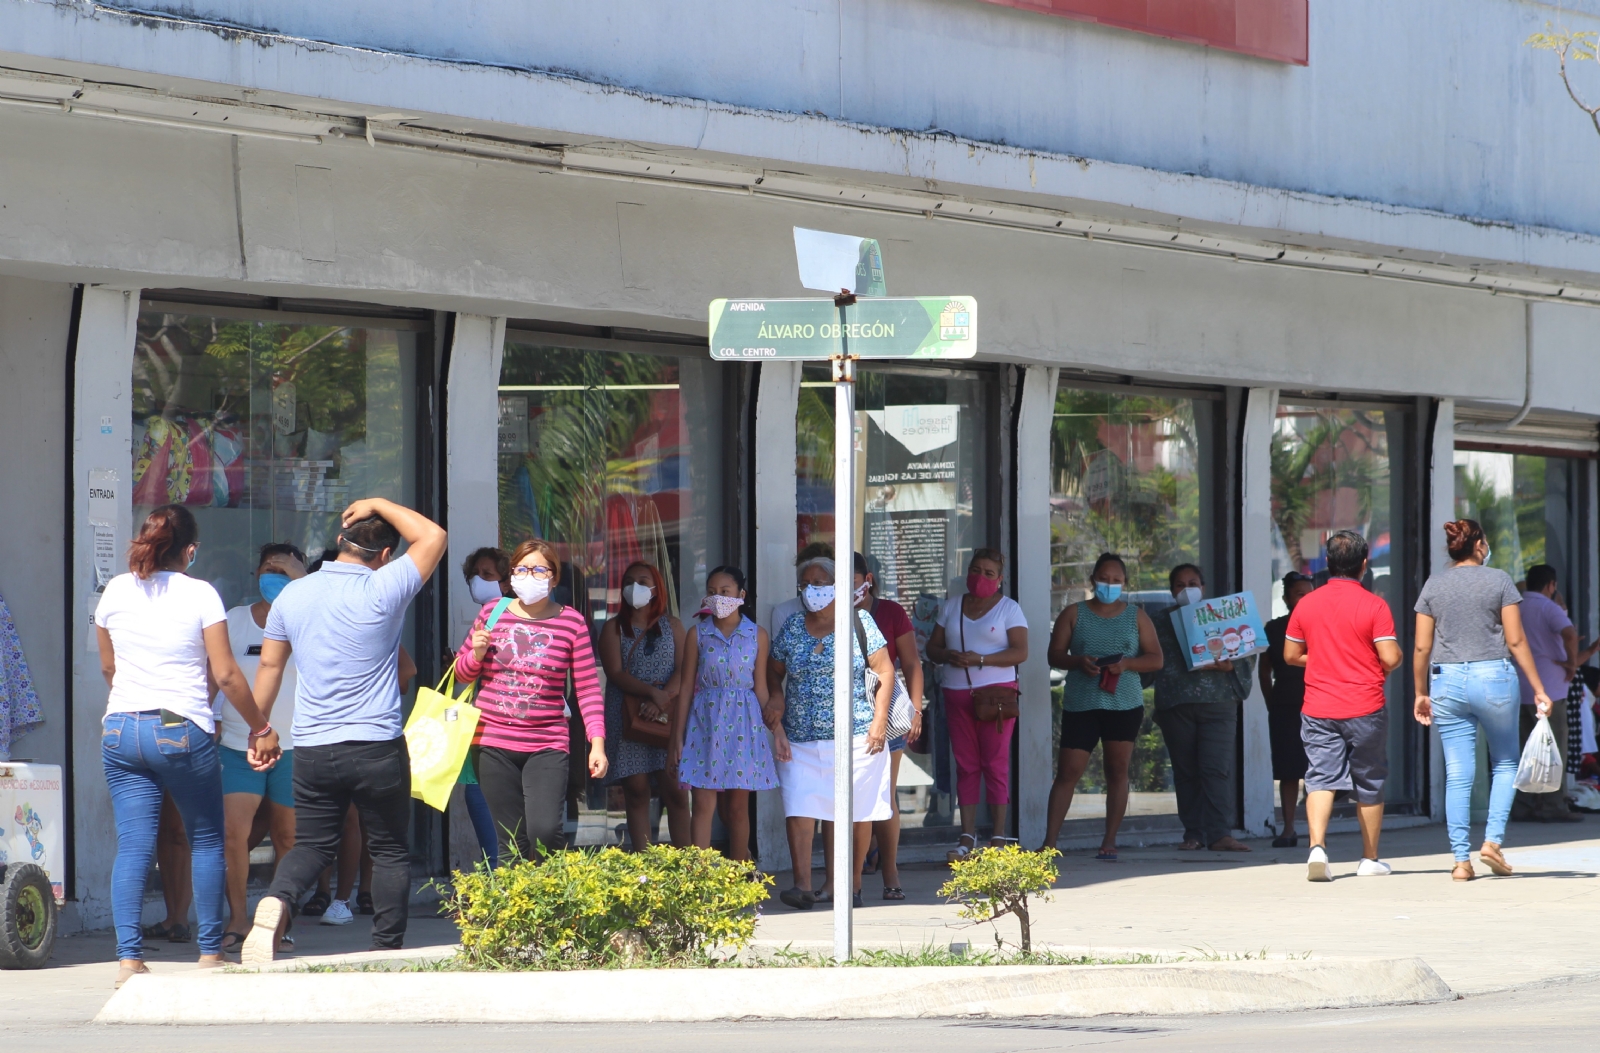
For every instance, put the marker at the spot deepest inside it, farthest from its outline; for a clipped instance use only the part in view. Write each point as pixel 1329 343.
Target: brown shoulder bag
pixel 635 726
pixel 992 703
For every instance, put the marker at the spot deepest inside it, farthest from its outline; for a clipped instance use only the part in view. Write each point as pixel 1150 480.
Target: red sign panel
pixel 1269 29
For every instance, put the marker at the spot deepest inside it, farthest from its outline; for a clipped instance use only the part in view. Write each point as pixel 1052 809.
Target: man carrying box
pixel 1344 638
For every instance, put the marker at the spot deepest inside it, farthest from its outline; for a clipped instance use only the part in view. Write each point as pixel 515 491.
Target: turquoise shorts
pixel 275 784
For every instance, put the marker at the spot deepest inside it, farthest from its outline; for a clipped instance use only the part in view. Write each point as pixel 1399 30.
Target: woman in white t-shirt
pixel 157 630
pixel 243 785
pixel 980 639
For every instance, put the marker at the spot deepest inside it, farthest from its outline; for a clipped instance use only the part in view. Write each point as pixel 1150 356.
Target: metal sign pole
pixel 844 638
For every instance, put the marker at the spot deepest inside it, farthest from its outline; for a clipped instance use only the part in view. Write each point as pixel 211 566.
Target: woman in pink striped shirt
pixel 522 666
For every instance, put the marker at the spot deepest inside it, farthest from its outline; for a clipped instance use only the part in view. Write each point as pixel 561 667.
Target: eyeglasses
pixel 533 572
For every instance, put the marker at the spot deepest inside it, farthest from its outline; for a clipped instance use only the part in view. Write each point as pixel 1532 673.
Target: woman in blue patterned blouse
pixel 800 687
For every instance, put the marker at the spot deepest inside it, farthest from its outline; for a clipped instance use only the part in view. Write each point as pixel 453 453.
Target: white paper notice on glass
pixel 831 262
pixel 105 555
pixel 93 641
pixel 103 496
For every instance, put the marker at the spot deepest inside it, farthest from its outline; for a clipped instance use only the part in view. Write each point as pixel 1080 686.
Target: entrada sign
pixel 880 327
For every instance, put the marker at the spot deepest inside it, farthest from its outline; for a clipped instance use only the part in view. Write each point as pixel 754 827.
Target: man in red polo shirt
pixel 1344 637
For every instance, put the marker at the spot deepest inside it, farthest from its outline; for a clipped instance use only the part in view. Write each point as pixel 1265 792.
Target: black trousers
pixel 376 778
pixel 527 795
pixel 1200 742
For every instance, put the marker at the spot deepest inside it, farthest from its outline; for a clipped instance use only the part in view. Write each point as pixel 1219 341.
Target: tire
pixel 27 918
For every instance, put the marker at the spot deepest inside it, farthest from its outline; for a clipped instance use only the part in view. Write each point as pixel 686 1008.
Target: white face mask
pixel 638 595
pixel 530 589
pixel 862 589
pixel 723 606
pixel 1188 596
pixel 483 591
pixel 816 597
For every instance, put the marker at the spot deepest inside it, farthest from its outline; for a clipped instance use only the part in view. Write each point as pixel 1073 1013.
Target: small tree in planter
pixel 994 882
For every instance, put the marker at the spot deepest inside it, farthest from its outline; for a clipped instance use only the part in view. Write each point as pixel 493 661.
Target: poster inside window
pixel 924 501
pixel 613 457
pixel 267 429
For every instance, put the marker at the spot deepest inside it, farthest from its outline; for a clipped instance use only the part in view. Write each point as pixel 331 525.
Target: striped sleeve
pixel 585 681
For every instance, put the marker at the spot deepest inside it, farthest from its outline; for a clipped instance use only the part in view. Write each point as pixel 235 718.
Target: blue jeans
pixel 483 823
pixel 1468 696
pixel 142 758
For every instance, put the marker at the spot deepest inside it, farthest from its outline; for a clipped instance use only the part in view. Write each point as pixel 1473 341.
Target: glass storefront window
pixel 1127 475
pixel 1343 468
pixel 1524 502
pixel 924 501
pixel 266 430
pixel 613 457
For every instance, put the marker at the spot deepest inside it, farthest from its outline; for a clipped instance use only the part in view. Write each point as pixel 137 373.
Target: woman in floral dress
pixel 639 651
pixel 720 745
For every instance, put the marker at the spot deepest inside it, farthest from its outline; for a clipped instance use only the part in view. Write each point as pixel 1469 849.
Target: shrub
pixel 664 905
pixel 994 882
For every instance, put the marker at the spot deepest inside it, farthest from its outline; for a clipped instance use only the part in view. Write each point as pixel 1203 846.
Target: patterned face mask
pixel 816 597
pixel 723 606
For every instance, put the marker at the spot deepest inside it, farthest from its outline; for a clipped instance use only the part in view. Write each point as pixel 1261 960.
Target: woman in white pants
pixel 800 688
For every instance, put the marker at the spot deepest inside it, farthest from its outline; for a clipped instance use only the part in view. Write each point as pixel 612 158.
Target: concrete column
pixel 472 422
pixel 471 449
pixel 1255 549
pixel 1441 510
pixel 777 400
pixel 102 452
pixel 1031 575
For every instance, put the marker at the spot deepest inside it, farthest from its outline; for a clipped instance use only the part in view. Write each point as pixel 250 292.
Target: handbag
pixel 438 735
pixel 636 727
pixel 991 703
pixel 900 711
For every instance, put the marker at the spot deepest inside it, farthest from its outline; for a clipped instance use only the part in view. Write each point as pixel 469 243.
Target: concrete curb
pixel 652 995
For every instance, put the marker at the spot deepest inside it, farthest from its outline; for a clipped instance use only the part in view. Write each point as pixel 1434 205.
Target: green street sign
pixel 887 327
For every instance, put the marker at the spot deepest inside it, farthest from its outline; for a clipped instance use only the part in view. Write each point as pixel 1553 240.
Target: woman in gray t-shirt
pixel 1467 622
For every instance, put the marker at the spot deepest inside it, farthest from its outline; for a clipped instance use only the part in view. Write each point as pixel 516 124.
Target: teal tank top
pixel 1095 636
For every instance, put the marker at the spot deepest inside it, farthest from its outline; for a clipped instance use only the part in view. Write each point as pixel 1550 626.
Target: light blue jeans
pixel 143 758
pixel 1468 696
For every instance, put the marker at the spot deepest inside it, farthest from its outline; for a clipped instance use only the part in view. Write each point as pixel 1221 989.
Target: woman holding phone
pixel 1103 643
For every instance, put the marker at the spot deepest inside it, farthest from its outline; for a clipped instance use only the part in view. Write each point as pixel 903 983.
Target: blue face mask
pixel 271 584
pixel 1107 592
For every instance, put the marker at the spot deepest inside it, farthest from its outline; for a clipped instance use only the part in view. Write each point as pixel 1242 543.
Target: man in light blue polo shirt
pixel 343 626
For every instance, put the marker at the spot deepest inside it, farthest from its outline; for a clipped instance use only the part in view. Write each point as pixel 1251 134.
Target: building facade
pixel 1241 285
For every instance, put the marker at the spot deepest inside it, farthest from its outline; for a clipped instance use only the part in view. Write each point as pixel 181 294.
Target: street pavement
pixel 1520 944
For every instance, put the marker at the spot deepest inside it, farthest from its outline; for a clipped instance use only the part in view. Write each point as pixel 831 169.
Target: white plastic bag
pixel 1540 770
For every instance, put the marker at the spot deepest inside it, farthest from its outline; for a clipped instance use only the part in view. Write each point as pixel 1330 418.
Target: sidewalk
pixel 1483 935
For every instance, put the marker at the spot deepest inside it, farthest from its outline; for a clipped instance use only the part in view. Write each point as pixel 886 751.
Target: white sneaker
pixel 1317 865
pixel 338 913
pixel 260 943
pixel 1372 868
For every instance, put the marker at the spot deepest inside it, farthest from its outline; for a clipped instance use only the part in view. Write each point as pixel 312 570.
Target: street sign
pixel 886 327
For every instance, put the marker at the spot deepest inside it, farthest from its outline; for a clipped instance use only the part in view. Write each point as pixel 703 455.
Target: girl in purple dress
pixel 721 748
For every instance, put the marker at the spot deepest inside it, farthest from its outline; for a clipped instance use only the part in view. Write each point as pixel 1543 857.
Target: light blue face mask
pixel 271 584
pixel 1107 591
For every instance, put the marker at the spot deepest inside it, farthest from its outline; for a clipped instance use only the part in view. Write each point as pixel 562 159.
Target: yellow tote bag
pixel 438 736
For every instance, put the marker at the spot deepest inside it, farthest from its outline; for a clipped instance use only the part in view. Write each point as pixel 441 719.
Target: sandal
pixel 125 972
pixel 364 903
pixel 798 898
pixel 1462 871
pixel 966 844
pixel 893 892
pixel 232 941
pixel 177 933
pixel 1105 856
pixel 1495 861
pixel 870 864
pixel 1190 846
pixel 317 905
pixel 1286 841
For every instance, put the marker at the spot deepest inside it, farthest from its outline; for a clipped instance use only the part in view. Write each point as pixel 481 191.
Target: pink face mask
pixel 982 587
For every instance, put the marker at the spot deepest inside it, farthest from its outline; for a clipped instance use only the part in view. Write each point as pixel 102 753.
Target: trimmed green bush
pixel 994 882
pixel 576 910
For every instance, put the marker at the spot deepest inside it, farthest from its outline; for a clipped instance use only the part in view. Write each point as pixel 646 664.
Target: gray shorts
pixel 1350 755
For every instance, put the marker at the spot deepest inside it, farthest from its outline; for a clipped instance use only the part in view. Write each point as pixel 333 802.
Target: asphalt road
pixel 1552 1017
